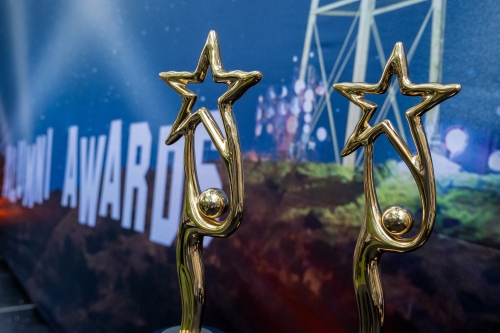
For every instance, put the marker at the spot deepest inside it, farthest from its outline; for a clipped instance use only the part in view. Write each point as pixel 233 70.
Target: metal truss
pixel 364 18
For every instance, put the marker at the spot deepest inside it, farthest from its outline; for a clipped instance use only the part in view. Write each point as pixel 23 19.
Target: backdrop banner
pixel 91 196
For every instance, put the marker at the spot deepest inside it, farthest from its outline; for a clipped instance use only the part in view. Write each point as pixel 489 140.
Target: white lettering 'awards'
pixel 164 228
pixel 138 160
pixel 90 178
pixel 111 183
pixel 70 173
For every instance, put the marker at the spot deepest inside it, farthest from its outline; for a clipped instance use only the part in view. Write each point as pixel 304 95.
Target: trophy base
pixel 176 329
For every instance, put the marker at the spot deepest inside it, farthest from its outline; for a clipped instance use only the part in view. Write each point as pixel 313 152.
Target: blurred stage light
pixel 271 93
pixel 269 128
pixel 308 106
pixel 258 130
pixel 299 86
pixel 494 161
pixel 309 95
pixel 258 115
pixel 320 90
pixel 284 91
pixel 291 125
pixel 321 134
pixel 282 111
pixel 455 140
pixel 295 107
pixel 306 128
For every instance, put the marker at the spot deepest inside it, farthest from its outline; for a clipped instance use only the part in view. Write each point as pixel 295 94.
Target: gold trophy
pixel 381 232
pixel 200 211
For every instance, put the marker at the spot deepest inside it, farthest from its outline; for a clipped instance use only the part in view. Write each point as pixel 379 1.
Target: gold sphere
pixel 213 203
pixel 398 220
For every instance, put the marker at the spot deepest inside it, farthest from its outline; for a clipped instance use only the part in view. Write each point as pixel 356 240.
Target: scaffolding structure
pixel 364 18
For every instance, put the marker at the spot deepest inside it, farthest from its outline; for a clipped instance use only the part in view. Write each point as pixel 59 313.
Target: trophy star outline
pixel 196 220
pixel 377 235
pixel 432 94
pixel 238 82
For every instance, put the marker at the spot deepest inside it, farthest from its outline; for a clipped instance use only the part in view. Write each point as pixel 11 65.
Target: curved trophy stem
pixel 198 219
pixel 381 232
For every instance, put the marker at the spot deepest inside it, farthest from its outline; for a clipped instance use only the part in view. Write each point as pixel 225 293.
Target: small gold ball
pixel 213 203
pixel 398 220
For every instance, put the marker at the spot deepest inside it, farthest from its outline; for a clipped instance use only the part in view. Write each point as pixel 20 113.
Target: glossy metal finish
pixel 213 202
pixel 177 328
pixel 398 220
pixel 381 233
pixel 199 213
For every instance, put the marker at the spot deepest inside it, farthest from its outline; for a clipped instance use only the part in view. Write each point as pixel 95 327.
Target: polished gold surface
pixel 199 212
pixel 398 220
pixel 213 203
pixel 382 234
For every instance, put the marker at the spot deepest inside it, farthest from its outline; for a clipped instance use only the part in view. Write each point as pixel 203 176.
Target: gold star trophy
pixel 381 232
pixel 201 210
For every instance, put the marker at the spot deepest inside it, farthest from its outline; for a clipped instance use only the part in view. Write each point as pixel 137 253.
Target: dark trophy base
pixel 176 329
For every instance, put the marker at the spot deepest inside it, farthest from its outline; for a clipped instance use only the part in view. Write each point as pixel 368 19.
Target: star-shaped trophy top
pixel 432 94
pixel 238 82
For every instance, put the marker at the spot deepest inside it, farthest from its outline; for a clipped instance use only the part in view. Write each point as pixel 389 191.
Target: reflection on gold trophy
pixel 382 232
pixel 201 210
